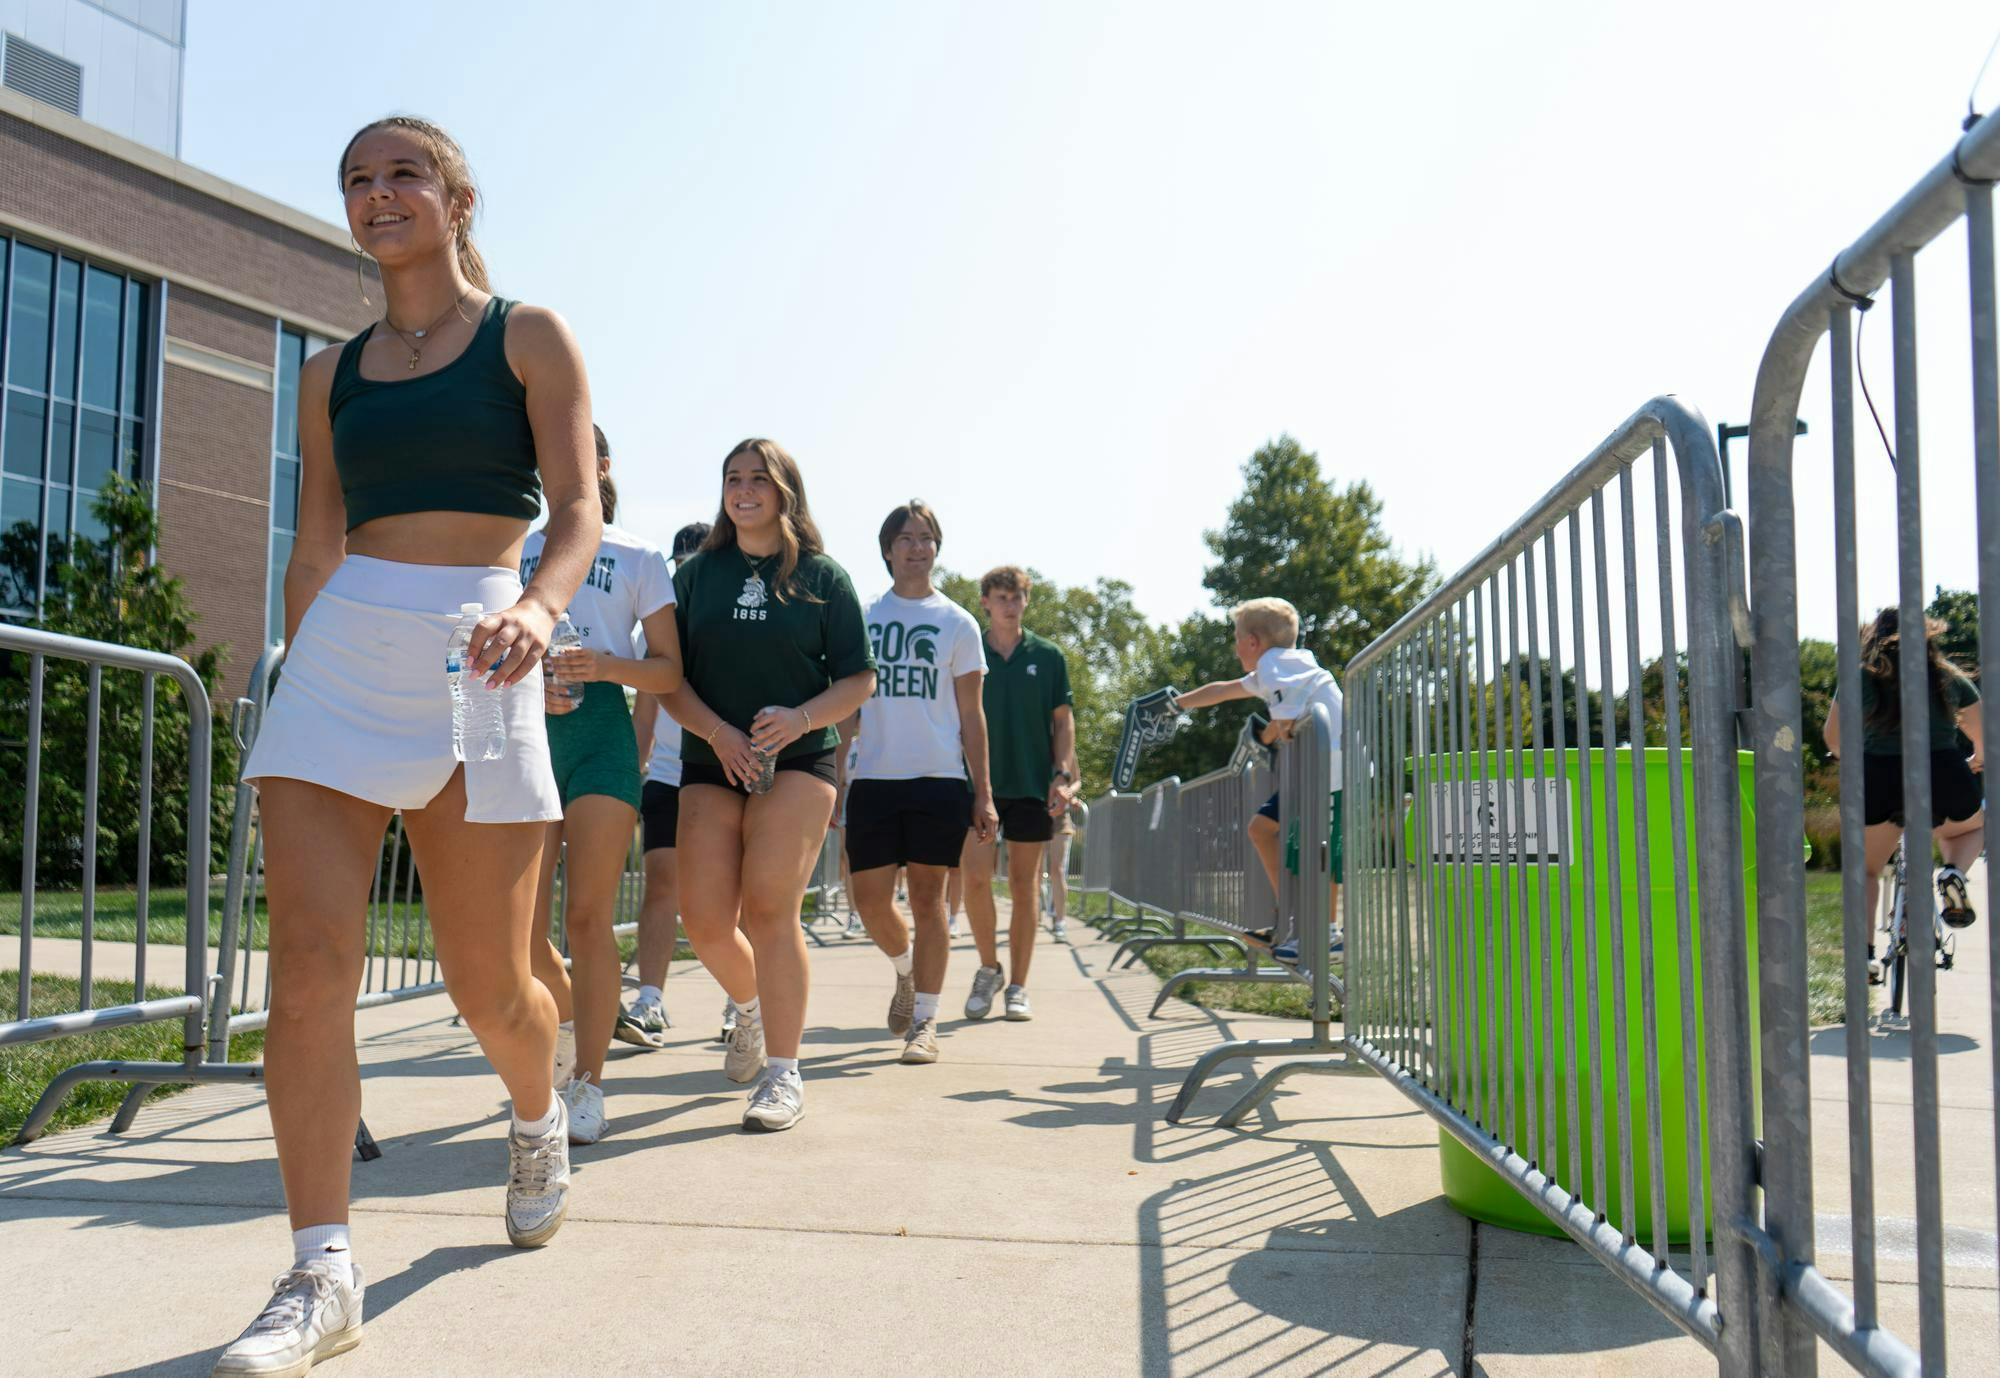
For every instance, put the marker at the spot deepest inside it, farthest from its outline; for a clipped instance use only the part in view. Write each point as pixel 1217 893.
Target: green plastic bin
pixel 1469 1183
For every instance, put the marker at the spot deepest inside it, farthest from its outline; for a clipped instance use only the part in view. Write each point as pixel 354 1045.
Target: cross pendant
pixel 415 355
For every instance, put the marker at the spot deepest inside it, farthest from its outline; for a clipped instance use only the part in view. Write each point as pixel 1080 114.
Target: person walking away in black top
pixel 1957 793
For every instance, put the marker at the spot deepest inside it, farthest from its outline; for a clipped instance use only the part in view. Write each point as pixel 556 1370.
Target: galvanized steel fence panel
pixel 1500 745
pixel 1799 1302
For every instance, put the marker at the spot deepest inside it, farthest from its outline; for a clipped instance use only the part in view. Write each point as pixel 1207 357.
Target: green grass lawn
pixel 1824 979
pixel 26 1068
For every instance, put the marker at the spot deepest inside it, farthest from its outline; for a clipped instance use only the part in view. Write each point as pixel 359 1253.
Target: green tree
pixel 1958 609
pixel 1291 534
pixel 109 590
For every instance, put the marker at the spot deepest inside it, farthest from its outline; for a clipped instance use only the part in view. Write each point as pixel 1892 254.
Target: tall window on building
pixel 78 362
pixel 294 348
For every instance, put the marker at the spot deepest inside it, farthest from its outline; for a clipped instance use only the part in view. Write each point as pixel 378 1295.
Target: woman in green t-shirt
pixel 1957 789
pixel 776 652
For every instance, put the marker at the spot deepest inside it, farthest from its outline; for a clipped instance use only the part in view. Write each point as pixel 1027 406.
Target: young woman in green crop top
pixel 775 652
pixel 427 442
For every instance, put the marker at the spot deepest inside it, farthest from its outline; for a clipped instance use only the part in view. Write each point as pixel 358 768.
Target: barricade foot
pixel 1139 947
pixel 146 1074
pixel 366 1150
pixel 1216 1056
pixel 128 1109
pixel 1235 975
pixel 1283 1072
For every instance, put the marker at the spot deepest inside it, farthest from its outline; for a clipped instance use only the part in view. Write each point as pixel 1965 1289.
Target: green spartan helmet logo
pixel 923 642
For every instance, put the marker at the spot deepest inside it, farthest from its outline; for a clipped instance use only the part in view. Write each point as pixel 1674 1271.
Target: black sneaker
pixel 1954 905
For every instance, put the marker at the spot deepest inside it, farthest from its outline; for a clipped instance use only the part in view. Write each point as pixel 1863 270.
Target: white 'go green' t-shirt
pixel 909 728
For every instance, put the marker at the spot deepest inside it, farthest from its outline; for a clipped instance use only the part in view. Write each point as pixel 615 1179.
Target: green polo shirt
pixel 746 649
pixel 1022 694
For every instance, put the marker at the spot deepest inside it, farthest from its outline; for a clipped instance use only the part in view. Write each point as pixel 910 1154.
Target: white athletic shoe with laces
pixel 1017 1005
pixel 538 1182
pixel 584 1101
pixel 1060 930
pixel 779 1102
pixel 744 1062
pixel 312 1315
pixel 985 985
pixel 728 1020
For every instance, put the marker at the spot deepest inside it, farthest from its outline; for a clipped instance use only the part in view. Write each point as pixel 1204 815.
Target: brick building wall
pixel 235 267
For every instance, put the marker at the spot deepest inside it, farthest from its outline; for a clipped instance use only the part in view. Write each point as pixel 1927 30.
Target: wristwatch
pixel 1067 778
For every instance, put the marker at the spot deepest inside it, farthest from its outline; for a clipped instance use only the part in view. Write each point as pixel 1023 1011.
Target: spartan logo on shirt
pixel 905 660
pixel 750 603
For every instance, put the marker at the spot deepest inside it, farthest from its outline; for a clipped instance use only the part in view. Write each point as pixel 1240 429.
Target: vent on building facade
pixel 47 77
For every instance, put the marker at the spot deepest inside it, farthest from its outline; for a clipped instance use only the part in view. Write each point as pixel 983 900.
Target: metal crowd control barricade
pixel 1501 744
pixel 190 1006
pixel 1305 792
pixel 1158 884
pixel 1796 1300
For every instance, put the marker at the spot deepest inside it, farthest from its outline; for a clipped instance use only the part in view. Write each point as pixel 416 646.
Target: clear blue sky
pixel 1058 268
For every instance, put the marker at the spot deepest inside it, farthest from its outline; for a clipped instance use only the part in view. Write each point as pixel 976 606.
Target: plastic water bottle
pixel 562 643
pixel 478 728
pixel 767 769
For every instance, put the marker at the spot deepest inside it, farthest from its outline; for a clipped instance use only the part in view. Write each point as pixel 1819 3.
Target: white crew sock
pixel 751 1011
pixel 906 963
pixel 653 994
pixel 538 1129
pixel 784 1066
pixel 327 1242
pixel 927 1007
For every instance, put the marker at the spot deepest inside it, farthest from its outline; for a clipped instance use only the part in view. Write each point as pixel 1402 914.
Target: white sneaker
pixel 1060 930
pixel 584 1101
pixel 645 1025
pixel 985 985
pixel 565 1065
pixel 538 1183
pixel 779 1102
pixel 854 927
pixel 312 1315
pixel 728 1020
pixel 744 1062
pixel 920 1048
pixel 1017 1005
pixel 951 927
pixel 903 1004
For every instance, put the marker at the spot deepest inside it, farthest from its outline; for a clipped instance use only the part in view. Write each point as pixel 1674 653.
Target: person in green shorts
pixel 777 654
pixel 1031 742
pixel 596 762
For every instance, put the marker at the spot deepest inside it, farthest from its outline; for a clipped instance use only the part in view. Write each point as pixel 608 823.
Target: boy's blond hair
pixel 1271 620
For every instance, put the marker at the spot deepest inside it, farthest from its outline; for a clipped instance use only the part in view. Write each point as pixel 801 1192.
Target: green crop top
pixel 456 440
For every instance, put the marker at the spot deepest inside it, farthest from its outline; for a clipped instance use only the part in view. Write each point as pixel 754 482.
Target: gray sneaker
pixel 728 1020
pixel 779 1102
pixel 985 985
pixel 920 1047
pixel 645 1025
pixel 744 1062
pixel 1017 1005
pixel 538 1183
pixel 903 1004
pixel 312 1315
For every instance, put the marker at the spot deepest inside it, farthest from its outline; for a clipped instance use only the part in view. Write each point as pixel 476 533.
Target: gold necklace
pixel 416 349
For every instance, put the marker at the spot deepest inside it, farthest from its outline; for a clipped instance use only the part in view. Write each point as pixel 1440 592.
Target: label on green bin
pixel 1475 821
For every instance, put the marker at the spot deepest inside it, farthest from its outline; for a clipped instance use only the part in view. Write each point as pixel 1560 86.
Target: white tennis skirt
pixel 363 705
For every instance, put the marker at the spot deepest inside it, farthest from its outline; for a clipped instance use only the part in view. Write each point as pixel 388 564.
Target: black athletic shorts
pixel 818 764
pixel 907 822
pixel 659 813
pixel 1025 820
pixel 1955 791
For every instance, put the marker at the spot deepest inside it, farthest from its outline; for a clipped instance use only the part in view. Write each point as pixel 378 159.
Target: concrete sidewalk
pixel 1018 1208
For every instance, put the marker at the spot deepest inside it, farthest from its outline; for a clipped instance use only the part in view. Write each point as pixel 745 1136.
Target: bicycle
pixel 1893 965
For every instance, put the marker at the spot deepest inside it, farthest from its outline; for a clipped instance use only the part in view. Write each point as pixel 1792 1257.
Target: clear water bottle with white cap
pixel 478 726
pixel 565 640
pixel 767 768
